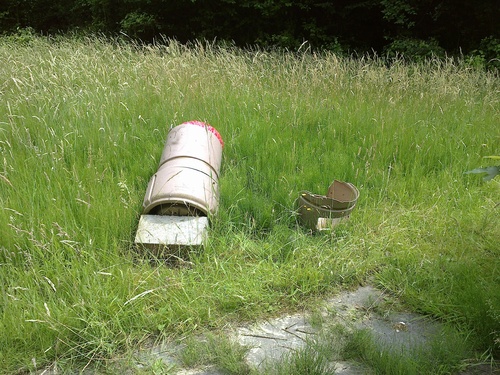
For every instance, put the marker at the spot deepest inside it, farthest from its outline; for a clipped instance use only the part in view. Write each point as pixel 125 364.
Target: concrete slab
pixel 393 330
pixel 155 230
pixel 272 339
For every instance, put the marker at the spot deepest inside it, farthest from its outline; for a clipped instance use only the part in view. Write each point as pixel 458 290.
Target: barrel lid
pixel 210 128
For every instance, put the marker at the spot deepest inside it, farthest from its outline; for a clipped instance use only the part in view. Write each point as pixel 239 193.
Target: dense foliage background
pixel 414 27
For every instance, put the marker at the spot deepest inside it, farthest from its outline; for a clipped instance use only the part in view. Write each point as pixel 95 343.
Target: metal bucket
pixel 186 182
pixel 320 212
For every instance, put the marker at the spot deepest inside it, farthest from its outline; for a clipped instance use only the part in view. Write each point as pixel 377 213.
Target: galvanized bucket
pixel 320 212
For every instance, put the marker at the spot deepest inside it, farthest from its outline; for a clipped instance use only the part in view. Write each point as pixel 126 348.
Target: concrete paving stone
pixel 270 340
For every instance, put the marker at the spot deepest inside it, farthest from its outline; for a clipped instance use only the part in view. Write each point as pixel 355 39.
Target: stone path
pixel 268 341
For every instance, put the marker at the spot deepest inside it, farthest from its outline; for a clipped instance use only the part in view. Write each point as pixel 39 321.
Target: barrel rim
pixel 209 127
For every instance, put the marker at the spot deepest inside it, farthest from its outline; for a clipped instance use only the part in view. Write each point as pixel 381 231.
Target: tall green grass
pixel 82 127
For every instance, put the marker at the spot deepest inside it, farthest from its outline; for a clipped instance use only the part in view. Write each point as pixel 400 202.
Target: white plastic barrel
pixel 186 182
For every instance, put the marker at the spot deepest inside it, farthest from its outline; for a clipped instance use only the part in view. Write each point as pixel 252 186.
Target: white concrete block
pixel 158 230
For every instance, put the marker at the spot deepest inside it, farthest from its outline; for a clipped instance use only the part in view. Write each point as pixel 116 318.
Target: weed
pixel 215 350
pixel 439 356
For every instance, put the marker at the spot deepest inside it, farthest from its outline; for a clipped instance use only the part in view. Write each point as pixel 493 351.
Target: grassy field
pixel 82 126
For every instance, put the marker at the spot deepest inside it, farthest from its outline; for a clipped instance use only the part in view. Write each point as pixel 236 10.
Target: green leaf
pixel 490 171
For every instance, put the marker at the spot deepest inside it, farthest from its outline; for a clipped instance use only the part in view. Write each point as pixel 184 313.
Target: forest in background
pixel 416 28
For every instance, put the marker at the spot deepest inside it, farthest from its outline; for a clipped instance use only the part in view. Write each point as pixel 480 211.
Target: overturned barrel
pixel 186 183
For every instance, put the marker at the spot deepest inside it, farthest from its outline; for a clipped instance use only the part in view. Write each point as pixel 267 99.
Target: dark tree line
pixel 418 26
